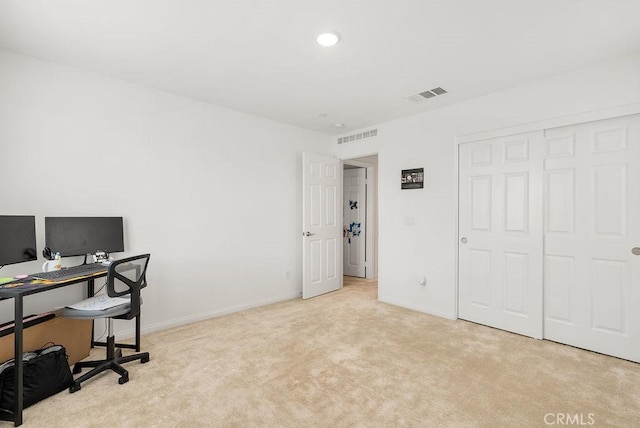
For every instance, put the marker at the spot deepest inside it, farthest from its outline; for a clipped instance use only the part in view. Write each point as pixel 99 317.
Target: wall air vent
pixel 359 136
pixel 431 93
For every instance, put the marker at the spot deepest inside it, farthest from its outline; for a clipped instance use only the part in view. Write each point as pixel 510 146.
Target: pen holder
pixel 52 265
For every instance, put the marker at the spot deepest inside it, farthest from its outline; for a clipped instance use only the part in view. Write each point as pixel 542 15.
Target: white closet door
pixel 592 223
pixel 500 229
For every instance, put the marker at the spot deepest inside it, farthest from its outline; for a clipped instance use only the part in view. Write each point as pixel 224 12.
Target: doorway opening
pixel 360 218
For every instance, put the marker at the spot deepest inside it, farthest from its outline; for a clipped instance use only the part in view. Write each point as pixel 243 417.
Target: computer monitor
pixel 17 239
pixel 79 236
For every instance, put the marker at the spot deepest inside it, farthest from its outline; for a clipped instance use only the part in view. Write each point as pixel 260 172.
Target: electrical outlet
pixel 287 275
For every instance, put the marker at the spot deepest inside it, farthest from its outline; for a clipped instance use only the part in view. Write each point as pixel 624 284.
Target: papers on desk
pixel 99 303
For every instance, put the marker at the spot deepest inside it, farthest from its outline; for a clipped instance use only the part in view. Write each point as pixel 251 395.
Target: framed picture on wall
pixel 412 178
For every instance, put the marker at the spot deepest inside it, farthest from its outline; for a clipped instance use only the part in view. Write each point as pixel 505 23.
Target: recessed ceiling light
pixel 328 38
pixel 339 125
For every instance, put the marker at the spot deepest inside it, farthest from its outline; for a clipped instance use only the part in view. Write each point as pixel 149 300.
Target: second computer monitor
pixel 78 236
pixel 17 239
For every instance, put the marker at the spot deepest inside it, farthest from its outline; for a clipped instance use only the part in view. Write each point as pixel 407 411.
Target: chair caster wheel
pixel 76 369
pixel 123 379
pixel 74 388
pixel 144 360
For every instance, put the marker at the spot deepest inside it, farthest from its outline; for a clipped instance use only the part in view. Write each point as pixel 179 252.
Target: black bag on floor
pixel 46 372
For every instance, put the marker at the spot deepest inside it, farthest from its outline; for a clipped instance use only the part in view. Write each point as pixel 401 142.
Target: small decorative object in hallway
pixel 412 178
pixel 352 231
pixel 353 205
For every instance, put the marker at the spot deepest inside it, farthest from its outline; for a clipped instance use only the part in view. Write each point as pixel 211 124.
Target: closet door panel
pixel 500 248
pixel 592 207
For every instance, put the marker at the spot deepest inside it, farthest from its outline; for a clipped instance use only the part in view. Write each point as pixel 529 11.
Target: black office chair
pixel 125 278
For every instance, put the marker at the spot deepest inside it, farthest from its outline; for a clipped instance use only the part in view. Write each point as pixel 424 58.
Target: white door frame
pixel 354 242
pixel 372 213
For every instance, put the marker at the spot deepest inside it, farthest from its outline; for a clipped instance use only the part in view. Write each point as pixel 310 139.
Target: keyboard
pixel 70 272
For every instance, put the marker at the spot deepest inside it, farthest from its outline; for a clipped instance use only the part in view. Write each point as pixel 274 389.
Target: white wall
pixel 428 247
pixel 213 195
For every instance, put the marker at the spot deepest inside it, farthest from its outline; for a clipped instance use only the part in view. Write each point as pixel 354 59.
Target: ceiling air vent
pixel 431 93
pixel 427 94
pixel 359 136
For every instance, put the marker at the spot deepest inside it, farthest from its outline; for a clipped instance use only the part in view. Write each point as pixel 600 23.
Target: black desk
pixel 17 291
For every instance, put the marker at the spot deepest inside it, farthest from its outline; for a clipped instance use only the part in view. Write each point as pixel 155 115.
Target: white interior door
pixel 500 232
pixel 592 223
pixel 354 218
pixel 322 225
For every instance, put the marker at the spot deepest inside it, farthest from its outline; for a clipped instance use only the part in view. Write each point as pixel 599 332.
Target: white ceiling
pixel 260 56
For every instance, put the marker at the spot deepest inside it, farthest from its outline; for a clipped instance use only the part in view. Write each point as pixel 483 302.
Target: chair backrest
pixel 128 277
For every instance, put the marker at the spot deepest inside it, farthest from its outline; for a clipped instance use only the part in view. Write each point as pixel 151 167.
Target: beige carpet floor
pixel 347 360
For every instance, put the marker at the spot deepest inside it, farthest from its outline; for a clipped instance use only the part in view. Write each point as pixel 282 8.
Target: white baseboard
pixel 164 325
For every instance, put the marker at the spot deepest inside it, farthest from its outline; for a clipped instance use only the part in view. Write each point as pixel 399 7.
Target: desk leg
pixel 90 292
pixel 19 364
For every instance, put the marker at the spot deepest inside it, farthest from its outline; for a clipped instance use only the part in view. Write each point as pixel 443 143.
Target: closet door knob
pixel 463 240
pixel 635 251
